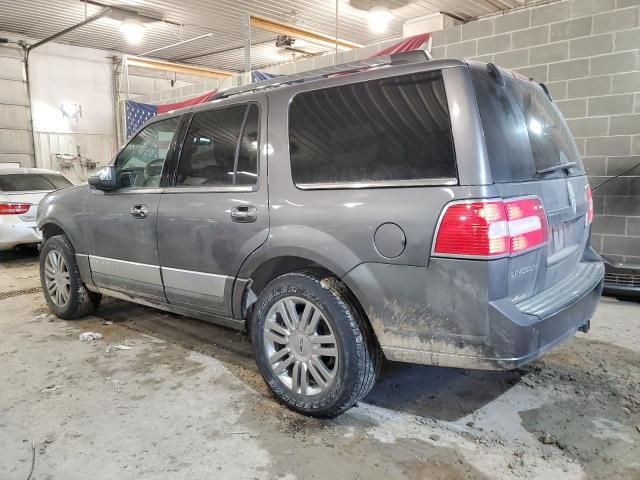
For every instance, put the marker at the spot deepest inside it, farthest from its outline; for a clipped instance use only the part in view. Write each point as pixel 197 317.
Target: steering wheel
pixel 153 168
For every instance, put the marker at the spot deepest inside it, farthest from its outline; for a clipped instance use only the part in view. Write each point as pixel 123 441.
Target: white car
pixel 20 191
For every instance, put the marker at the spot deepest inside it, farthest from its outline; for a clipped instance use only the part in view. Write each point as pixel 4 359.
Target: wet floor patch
pixel 594 413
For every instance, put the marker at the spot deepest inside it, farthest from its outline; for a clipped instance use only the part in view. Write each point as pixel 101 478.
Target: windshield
pixel 24 182
pixel 524 131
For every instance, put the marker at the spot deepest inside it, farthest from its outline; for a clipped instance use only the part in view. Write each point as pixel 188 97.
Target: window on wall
pixel 140 163
pixel 387 130
pixel 221 148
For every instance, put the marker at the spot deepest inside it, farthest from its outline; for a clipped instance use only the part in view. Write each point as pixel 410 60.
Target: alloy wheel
pixel 301 347
pixel 56 274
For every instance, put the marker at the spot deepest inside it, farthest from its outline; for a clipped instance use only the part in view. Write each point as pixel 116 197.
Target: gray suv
pixel 432 212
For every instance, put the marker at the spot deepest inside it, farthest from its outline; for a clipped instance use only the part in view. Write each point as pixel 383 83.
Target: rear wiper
pixel 555 168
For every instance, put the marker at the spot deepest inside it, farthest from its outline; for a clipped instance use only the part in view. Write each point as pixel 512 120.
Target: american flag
pixel 259 75
pixel 137 113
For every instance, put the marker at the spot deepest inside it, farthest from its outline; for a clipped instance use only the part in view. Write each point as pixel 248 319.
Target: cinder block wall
pixel 587 52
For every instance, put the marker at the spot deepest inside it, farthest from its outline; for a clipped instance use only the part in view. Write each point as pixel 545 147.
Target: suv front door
pixel 124 250
pixel 215 213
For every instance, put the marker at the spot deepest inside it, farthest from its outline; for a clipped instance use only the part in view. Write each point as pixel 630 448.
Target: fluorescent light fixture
pixel 133 30
pixel 379 18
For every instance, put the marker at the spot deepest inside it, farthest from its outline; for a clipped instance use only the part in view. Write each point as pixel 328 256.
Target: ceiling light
pixel 379 18
pixel 133 30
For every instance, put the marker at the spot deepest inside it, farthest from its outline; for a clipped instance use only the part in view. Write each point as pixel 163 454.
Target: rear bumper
pixel 527 334
pixel 455 325
pixel 17 233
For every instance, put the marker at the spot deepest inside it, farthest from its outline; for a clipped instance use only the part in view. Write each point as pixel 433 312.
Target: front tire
pixel 313 346
pixel 62 286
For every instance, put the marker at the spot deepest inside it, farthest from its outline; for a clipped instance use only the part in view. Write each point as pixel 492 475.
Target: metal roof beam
pixel 176 67
pixel 280 28
pixel 50 38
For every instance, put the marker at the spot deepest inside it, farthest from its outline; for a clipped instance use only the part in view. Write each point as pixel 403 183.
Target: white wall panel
pixel 11 68
pixel 14 116
pixel 21 158
pixel 16 144
pixel 15 141
pixel 12 92
pixel 99 148
pixel 61 74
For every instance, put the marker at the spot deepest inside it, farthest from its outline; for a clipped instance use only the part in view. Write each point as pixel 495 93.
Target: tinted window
pixel 213 155
pixel 524 131
pixel 140 163
pixel 390 129
pixel 32 181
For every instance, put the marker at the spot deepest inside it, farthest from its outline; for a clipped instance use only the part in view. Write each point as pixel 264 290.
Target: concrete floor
pixel 186 401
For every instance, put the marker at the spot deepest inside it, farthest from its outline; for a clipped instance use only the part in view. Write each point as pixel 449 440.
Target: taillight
pixel 14 208
pixel 589 196
pixel 492 228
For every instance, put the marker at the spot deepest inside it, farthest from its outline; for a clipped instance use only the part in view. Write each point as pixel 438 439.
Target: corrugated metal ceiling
pixel 225 20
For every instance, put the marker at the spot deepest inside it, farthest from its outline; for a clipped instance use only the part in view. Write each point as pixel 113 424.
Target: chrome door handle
pixel 244 214
pixel 139 211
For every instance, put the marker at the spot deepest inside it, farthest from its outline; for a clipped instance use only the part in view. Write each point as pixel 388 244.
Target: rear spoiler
pixel 496 73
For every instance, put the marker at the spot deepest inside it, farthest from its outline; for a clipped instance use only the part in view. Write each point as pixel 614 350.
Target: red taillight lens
pixel 589 196
pixel 14 208
pixel 491 228
pixel 476 229
pixel 527 224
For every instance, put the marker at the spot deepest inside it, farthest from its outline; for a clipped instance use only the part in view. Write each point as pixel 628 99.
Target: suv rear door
pixel 215 211
pixel 532 152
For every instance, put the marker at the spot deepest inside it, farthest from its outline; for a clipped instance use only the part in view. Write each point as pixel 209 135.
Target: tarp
pixel 417 42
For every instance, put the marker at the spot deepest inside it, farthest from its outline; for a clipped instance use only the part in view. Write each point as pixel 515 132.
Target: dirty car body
pixel 446 198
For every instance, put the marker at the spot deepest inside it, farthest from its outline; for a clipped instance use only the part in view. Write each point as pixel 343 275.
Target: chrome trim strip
pixel 127 191
pixel 425 182
pixel 195 282
pixel 211 189
pixel 140 272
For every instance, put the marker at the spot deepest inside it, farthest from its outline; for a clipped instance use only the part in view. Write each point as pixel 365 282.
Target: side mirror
pixel 104 179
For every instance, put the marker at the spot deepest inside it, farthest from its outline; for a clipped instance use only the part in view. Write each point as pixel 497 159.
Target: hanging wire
pixel 616 176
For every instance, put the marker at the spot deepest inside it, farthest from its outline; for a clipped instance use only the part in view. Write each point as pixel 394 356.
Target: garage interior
pixel 165 396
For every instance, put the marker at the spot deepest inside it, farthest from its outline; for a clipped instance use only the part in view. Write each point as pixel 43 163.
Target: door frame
pixel 231 283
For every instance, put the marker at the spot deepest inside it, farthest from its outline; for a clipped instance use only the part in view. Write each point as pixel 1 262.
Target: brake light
pixel 493 228
pixel 14 208
pixel 589 218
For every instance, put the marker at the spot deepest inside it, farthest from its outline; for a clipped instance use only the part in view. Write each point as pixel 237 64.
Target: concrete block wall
pixel 588 54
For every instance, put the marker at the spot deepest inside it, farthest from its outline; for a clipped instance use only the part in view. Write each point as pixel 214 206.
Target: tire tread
pixel 368 352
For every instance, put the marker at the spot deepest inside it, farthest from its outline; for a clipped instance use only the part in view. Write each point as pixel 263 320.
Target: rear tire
pixel 313 346
pixel 62 286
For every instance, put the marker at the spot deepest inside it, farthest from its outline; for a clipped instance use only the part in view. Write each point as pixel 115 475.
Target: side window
pixel 221 148
pixel 387 130
pixel 139 164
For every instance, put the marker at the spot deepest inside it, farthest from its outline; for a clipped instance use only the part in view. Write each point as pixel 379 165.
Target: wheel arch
pixel 50 229
pixel 247 290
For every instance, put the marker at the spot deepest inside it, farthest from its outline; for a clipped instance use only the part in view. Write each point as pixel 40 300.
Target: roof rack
pixel 402 58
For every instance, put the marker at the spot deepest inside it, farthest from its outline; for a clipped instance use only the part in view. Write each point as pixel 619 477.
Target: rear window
pixel 24 182
pixel 380 131
pixel 524 131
